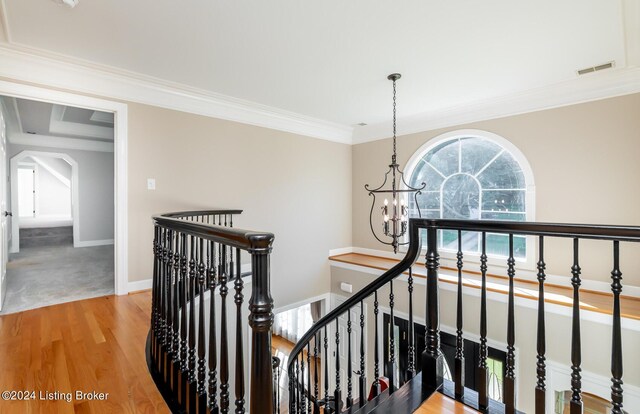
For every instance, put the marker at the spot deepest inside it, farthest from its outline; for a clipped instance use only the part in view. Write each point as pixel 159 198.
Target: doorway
pixel 44 191
pixel 49 155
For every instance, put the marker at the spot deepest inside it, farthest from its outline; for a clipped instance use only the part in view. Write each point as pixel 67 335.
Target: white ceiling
pixel 329 59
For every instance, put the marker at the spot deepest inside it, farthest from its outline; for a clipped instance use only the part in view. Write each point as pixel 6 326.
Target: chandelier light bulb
pixel 386 218
pixel 395 202
pixel 386 202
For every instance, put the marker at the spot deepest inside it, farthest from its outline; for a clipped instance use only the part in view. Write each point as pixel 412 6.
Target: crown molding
pixel 586 88
pixel 52 70
pixel 58 71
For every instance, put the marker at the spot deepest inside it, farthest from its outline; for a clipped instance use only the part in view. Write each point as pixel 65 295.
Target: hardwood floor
pixel 441 404
pixel 93 345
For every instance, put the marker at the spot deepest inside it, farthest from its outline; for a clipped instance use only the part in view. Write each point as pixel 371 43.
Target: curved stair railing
pixel 197 364
pixel 308 379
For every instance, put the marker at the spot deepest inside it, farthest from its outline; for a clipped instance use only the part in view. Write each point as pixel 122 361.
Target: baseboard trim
pixel 92 243
pixel 139 285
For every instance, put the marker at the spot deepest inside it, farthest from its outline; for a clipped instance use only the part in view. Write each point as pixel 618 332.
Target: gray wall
pixel 96 189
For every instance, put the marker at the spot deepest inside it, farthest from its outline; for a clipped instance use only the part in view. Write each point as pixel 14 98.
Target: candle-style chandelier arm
pixel 371 220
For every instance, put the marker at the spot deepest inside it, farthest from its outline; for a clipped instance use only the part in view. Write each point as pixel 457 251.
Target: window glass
pixel 471 178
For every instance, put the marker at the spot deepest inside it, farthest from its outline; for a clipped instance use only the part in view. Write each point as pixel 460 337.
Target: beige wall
pixel 596 337
pixel 299 188
pixel 585 165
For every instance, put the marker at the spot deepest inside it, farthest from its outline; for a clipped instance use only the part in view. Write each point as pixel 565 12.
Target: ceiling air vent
pixel 604 66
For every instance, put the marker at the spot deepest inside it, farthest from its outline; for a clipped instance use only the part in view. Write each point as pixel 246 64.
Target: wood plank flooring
pixel 559 295
pixel 441 404
pixel 93 345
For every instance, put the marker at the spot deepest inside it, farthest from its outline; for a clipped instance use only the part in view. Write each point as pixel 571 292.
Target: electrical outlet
pixel 151 183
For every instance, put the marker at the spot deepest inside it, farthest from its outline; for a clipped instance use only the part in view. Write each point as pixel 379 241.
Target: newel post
pixel 432 358
pixel 261 321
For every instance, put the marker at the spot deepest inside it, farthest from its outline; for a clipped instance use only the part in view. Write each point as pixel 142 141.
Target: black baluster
pixel 362 387
pixel 184 286
pixel 169 290
pixel 483 373
pixel 276 385
pixel 192 325
pixel 301 387
pixel 315 373
pixel 391 367
pixel 510 377
pixel 292 408
pixel 616 341
pixel 326 371
pixel 411 363
pixel 161 299
pixel 308 387
pixel 176 312
pixel 163 304
pixel 337 395
pixel 541 368
pixel 224 350
pixel 349 367
pixel 432 358
pixel 155 293
pixel 213 356
pixel 376 351
pixel 202 370
pixel 297 388
pixel 158 294
pixel 576 351
pixel 459 356
pixel 239 299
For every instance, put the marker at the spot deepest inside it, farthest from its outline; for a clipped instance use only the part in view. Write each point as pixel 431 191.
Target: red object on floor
pixel 384 384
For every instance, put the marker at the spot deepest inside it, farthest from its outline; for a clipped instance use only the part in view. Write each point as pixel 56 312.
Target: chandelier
pixel 395 213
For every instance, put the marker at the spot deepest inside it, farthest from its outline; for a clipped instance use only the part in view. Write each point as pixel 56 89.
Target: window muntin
pixel 472 178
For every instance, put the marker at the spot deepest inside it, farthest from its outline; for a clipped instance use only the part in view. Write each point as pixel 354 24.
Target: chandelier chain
pixel 394 122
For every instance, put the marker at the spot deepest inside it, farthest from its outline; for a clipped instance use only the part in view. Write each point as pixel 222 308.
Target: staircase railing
pixel 304 398
pixel 198 258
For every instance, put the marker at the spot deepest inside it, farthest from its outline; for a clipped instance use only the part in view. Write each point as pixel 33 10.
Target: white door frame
pixel 15 207
pixel 119 110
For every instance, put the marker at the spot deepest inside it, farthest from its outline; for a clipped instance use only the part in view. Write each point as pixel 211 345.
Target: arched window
pixel 473 175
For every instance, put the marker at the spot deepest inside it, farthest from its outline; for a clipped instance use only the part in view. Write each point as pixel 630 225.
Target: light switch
pixel 151 183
